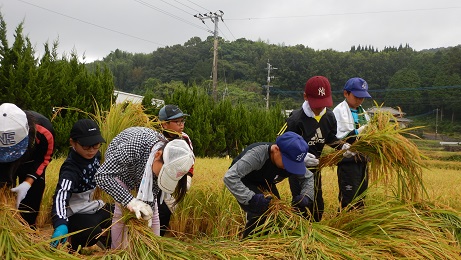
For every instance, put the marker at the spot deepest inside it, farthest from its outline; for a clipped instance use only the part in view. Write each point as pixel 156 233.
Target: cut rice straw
pixel 391 156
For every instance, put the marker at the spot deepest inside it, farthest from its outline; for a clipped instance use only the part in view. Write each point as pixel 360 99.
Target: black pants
pixel 30 205
pixel 94 225
pixel 318 205
pixel 253 219
pixel 164 214
pixel 352 180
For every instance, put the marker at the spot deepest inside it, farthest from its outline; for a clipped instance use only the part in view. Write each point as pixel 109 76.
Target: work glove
pixel 141 210
pixel 347 153
pixel 302 203
pixel 21 191
pixel 259 203
pixel 60 230
pixel 189 182
pixel 360 129
pixel 310 160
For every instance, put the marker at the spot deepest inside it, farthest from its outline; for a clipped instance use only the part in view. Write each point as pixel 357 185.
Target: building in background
pixel 398 114
pixel 127 97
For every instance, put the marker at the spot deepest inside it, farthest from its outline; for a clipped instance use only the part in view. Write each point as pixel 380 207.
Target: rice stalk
pixel 18 240
pixel 392 157
pixel 399 230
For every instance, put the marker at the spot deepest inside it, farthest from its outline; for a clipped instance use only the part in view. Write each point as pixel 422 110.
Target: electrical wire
pixel 92 24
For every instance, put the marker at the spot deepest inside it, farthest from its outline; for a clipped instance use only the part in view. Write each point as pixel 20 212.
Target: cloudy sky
pixel 97 27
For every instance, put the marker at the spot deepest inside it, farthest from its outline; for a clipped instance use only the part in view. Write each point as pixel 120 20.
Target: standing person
pixel 26 147
pixel 352 120
pixel 173 121
pixel 141 159
pixel 317 125
pixel 74 208
pixel 260 167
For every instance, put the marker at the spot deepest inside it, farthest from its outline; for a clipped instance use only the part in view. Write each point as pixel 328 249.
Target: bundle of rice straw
pixel 392 157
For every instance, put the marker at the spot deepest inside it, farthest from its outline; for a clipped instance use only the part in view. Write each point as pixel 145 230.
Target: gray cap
pixel 170 112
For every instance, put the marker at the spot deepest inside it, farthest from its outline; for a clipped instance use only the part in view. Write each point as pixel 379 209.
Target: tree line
pixel 180 75
pixel 416 81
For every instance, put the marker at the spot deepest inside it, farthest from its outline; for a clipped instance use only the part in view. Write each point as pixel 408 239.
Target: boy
pixel 352 119
pixel 173 121
pixel 26 148
pixel 260 167
pixel 73 206
pixel 317 125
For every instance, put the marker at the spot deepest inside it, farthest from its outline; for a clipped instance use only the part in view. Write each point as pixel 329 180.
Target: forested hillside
pixel 417 81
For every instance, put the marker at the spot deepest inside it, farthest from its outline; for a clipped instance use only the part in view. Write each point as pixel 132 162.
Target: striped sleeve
pixel 45 148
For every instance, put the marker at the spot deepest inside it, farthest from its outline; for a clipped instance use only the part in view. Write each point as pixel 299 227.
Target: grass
pixel 207 224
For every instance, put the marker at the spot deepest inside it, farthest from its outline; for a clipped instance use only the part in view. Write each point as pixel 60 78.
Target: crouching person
pixel 260 167
pixel 73 206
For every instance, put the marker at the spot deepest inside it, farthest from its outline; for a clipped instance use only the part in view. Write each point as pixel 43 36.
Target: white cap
pixel 14 132
pixel 178 158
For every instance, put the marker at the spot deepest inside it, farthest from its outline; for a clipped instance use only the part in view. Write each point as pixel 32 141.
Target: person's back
pixel 258 168
pixel 26 149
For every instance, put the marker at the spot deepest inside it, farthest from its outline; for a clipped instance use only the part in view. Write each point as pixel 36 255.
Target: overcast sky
pixel 97 27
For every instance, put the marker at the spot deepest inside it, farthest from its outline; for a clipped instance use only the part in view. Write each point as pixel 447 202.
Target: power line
pixel 342 14
pixel 229 30
pixel 169 14
pixel 197 5
pixel 92 24
pixel 187 6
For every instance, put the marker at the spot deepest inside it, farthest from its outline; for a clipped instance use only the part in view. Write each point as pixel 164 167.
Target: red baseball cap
pixel 318 92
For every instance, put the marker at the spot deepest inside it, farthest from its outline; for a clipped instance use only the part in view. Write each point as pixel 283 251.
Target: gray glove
pixel 310 160
pixel 21 191
pixel 347 153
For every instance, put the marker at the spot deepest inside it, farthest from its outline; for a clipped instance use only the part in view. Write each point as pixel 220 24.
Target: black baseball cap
pixel 170 112
pixel 86 132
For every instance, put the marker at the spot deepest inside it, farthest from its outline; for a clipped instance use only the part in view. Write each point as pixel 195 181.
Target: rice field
pixel 207 224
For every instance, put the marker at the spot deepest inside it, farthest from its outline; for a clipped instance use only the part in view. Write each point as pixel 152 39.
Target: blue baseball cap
pixel 293 149
pixel 358 87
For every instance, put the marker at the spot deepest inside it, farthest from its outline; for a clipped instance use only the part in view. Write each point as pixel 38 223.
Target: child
pixel 260 167
pixel 352 119
pixel 141 159
pixel 26 147
pixel 73 206
pixel 317 125
pixel 173 121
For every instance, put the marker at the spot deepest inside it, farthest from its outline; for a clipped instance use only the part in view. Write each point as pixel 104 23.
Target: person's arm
pixel 66 183
pixel 115 164
pixel 307 184
pixel 252 160
pixel 43 151
pixel 344 120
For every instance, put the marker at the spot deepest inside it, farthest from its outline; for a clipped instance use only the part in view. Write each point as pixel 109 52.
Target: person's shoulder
pixel 296 115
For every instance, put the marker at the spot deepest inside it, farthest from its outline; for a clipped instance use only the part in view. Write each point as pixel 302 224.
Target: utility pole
pixel 436 121
pixel 214 17
pixel 269 77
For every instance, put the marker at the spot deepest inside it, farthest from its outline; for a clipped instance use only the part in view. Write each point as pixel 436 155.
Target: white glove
pixel 360 129
pixel 310 160
pixel 21 191
pixel 347 153
pixel 141 210
pixel 189 182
